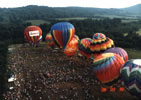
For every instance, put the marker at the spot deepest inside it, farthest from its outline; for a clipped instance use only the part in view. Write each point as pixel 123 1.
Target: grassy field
pixel 129 20
pixel 139 32
pixel 124 19
pixel 38 22
pixel 77 18
pixel 133 53
pixel 73 18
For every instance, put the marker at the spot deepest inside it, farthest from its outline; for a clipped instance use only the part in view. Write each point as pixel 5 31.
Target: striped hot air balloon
pixel 100 43
pixel 130 74
pixel 119 51
pixel 72 46
pixel 33 35
pixel 84 47
pixel 76 36
pixel 107 67
pixel 49 40
pixel 99 36
pixel 62 33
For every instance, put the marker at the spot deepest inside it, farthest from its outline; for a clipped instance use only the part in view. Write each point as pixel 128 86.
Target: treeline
pixel 3 67
pixel 9 34
pixel 31 12
pixel 123 34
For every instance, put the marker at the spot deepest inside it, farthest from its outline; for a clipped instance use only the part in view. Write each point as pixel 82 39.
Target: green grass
pixel 125 34
pixel 139 32
pixel 111 16
pixel 133 53
pixel 124 19
pixel 129 20
pixel 76 18
pixel 37 22
pixel 73 18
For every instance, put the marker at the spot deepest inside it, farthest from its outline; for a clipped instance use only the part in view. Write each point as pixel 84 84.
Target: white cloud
pixel 64 3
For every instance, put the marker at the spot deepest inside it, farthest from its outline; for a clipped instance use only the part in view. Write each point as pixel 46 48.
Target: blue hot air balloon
pixel 62 33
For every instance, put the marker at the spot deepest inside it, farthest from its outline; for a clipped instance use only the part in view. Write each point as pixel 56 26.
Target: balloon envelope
pixel 119 51
pixel 84 47
pixel 71 47
pixel 130 74
pixel 99 36
pixel 62 33
pixel 33 34
pixel 49 40
pixel 107 67
pixel 76 36
pixel 99 45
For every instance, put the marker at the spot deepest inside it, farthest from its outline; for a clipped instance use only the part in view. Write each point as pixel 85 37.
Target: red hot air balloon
pixel 71 47
pixel 62 33
pixel 119 51
pixel 33 34
pixel 107 67
pixel 84 47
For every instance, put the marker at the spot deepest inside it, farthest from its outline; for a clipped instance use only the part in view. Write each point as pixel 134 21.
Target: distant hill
pixel 133 9
pixel 34 12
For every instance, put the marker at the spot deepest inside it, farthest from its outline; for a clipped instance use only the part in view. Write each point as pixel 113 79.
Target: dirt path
pixel 46 74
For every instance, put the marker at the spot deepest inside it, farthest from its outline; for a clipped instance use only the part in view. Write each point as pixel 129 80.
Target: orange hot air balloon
pixel 76 37
pixel 107 67
pixel 49 40
pixel 71 47
pixel 84 47
pixel 33 35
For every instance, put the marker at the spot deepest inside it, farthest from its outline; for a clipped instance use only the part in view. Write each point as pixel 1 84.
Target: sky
pixel 65 3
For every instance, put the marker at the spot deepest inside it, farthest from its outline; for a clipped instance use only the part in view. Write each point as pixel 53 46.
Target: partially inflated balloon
pixel 84 47
pixel 100 43
pixel 130 74
pixel 62 33
pixel 49 40
pixel 76 36
pixel 71 47
pixel 99 36
pixel 107 67
pixel 33 34
pixel 119 51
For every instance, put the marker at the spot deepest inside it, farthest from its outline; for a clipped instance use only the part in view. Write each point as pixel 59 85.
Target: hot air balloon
pixel 72 46
pixel 33 34
pixel 100 43
pixel 107 67
pixel 130 75
pixel 49 40
pixel 62 33
pixel 119 51
pixel 99 36
pixel 84 47
pixel 76 36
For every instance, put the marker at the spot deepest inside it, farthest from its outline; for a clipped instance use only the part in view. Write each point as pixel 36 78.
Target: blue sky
pixel 65 3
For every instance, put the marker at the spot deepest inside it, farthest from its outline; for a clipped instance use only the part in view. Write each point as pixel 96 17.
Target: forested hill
pixel 44 12
pixel 133 10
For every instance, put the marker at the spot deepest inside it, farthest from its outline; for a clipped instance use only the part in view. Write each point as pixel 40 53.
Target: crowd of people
pixel 46 74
